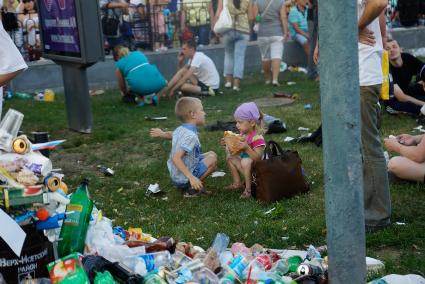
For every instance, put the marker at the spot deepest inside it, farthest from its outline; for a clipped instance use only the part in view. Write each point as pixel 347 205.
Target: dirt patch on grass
pixel 71 163
pixel 391 253
pixel 273 102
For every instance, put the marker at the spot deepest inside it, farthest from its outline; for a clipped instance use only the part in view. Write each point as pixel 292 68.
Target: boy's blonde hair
pixel 186 105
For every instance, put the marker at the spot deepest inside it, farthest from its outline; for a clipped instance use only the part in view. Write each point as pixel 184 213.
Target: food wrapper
pixel 232 142
pixel 68 270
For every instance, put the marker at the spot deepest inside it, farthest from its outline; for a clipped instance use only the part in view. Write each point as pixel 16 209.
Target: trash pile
pixel 47 95
pixel 50 235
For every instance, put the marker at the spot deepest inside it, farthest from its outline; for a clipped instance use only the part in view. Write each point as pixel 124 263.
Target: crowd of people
pixel 162 24
pixel 20 20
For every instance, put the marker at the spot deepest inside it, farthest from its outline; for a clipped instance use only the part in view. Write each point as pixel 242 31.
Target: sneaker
pixel 236 89
pixel 267 82
pixel 228 85
pixel 211 91
pixel 390 110
pixel 203 191
pixel 129 99
pixel 155 100
pixel 275 84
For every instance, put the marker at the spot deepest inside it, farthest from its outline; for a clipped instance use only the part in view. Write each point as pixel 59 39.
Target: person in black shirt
pixel 404 67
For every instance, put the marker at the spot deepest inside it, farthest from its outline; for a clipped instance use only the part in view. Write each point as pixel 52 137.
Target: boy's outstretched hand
pixel 156 132
pixel 195 183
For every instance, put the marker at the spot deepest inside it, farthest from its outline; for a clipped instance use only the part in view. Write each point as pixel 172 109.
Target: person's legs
pixel 190 88
pixel 267 65
pixel 303 41
pixel 210 160
pixel 394 106
pixel 306 47
pixel 234 164
pixel 204 35
pixel 407 169
pixel 264 46
pixel 174 80
pixel 276 51
pixel 229 49
pixel 312 69
pixel 239 63
pixel 246 164
pixel 377 201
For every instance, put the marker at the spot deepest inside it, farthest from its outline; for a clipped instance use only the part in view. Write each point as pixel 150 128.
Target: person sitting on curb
pixel 400 102
pixel 410 165
pixel 198 77
pixel 298 26
pixel 403 67
pixel 144 80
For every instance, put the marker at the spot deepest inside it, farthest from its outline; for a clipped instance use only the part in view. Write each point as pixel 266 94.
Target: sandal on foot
pixel 245 195
pixel 234 186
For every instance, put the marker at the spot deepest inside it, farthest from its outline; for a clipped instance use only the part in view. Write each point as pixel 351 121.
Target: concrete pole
pixel 340 99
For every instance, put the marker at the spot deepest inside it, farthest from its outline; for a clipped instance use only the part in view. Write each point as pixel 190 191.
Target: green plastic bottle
pixel 74 228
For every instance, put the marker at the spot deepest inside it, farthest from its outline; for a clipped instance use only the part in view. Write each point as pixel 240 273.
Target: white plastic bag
pixel 224 22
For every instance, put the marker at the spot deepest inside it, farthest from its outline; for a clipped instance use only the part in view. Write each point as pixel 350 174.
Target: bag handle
pixel 273 149
pixel 266 10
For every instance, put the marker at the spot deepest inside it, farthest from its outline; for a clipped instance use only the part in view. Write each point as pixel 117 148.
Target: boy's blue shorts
pixel 199 171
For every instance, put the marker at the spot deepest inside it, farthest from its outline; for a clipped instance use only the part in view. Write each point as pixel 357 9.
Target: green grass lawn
pixel 120 140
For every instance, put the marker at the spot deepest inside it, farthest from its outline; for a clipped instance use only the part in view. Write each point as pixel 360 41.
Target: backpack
pixel 10 21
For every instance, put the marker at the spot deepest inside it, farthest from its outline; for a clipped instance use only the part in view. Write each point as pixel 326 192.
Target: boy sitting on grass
pixel 187 165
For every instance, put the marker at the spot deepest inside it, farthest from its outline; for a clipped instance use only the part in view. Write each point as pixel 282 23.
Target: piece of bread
pixel 232 142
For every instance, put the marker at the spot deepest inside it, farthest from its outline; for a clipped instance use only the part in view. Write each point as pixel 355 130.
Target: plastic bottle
pixel 205 275
pixel 280 266
pixel 9 127
pixel 257 269
pixel 293 263
pixel 225 258
pixel 24 96
pixel 74 228
pixel 238 265
pixel 220 243
pixel 142 264
pixel 180 259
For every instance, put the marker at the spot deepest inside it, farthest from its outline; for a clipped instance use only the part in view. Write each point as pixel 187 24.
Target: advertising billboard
pixel 59 24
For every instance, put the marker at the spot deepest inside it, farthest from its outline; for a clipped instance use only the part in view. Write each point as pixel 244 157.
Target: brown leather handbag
pixel 278 175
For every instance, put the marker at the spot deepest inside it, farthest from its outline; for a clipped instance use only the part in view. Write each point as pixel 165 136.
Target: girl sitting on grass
pixel 249 121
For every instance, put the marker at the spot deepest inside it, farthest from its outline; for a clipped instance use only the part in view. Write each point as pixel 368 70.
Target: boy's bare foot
pixel 234 186
pixel 246 194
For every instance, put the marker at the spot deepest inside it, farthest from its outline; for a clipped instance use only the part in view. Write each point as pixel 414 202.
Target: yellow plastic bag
pixel 385 89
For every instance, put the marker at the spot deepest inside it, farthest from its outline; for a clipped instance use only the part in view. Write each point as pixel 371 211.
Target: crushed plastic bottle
pixel 142 264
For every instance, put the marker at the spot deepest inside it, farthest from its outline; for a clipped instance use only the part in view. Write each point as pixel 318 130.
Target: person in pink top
pixel 249 121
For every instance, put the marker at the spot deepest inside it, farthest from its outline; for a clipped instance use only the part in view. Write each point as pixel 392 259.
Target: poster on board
pixel 58 19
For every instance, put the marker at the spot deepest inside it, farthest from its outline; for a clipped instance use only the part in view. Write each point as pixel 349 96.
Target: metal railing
pixel 156 25
pixel 25 34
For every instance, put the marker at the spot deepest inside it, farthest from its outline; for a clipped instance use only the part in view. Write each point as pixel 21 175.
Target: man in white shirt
pixel 11 61
pixel 198 77
pixel 371 25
